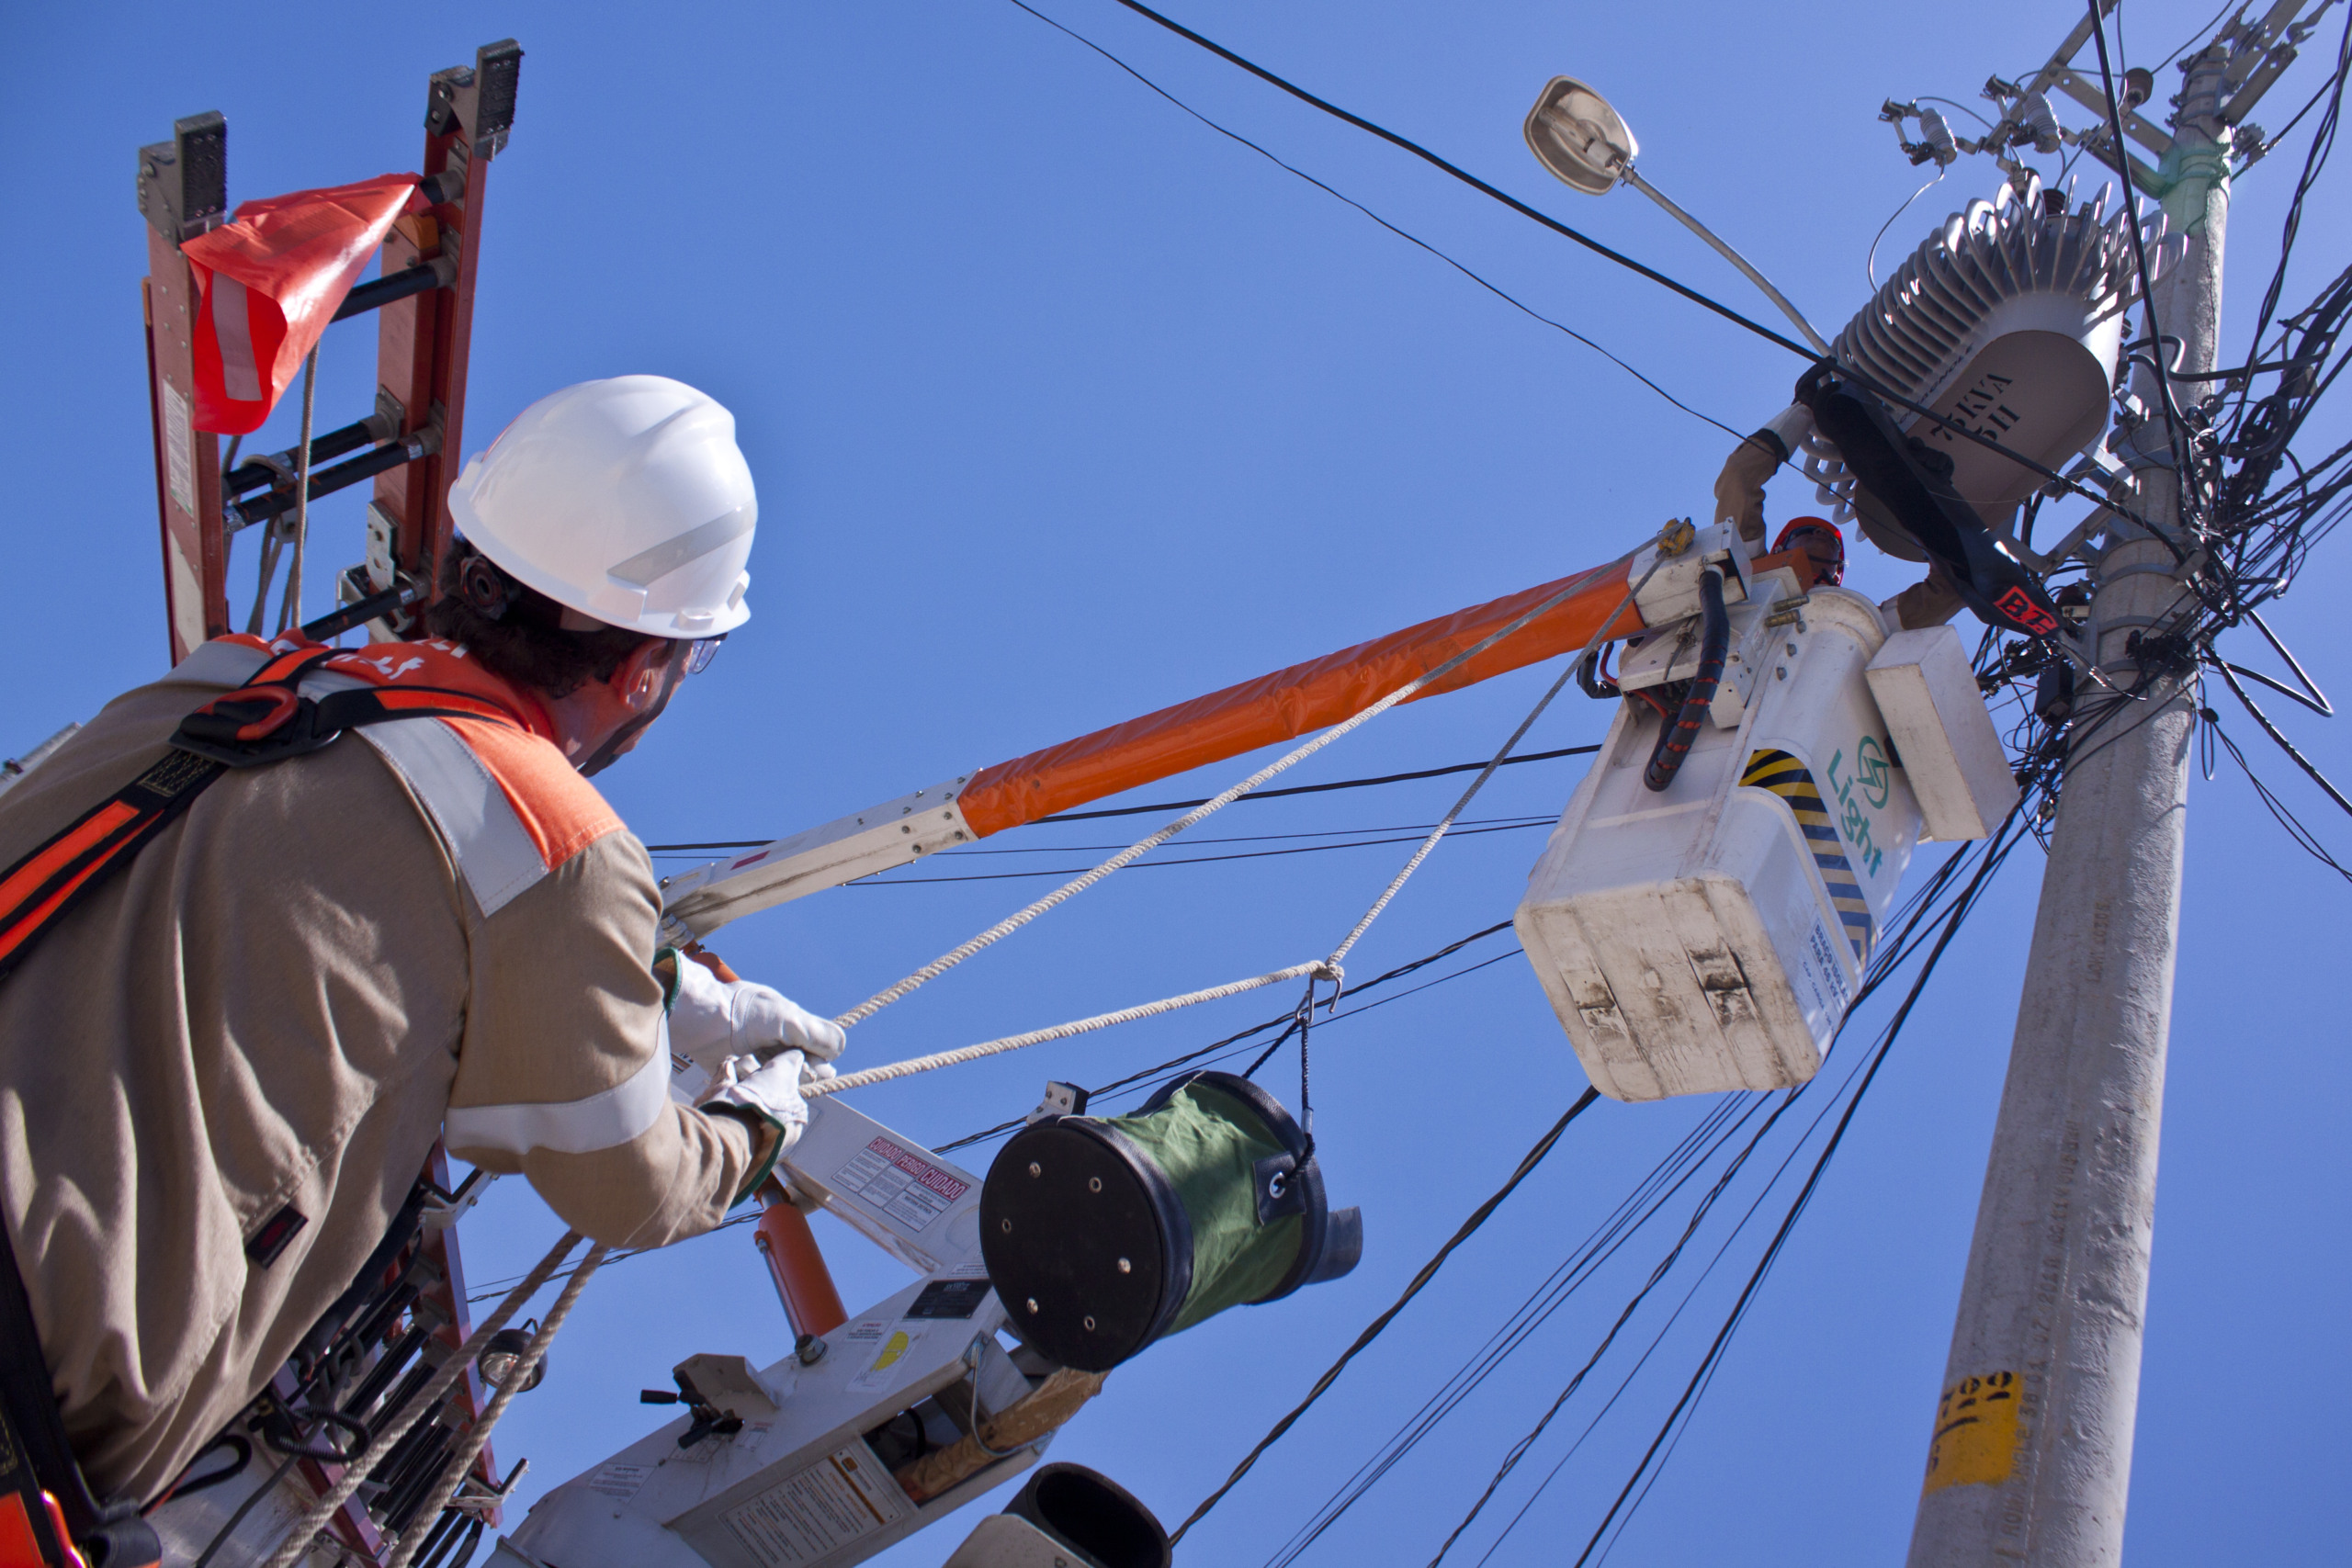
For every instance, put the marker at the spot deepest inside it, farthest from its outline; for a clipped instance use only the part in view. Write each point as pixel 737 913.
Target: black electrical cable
pixel 1473 181
pixel 1658 1340
pixel 2305 838
pixel 884 879
pixel 2175 432
pixel 1962 907
pixel 1256 1029
pixel 1402 234
pixel 2288 129
pixel 1320 788
pixel 2323 144
pixel 1188 805
pixel 1655 1188
pixel 2285 745
pixel 1258 838
pixel 2228 6
pixel 1469 1227
pixel 1657 1274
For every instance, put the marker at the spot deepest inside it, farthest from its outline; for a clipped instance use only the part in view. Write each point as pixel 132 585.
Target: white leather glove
pixel 770 1090
pixel 711 1019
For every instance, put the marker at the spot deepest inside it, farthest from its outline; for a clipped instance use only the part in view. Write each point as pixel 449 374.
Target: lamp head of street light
pixel 1574 132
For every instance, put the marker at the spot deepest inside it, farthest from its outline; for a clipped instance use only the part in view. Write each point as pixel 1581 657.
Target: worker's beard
pixel 621 739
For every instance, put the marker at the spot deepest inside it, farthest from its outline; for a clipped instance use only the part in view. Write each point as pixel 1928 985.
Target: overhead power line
pixel 1187 805
pixel 1467 177
pixel 1274 1022
pixel 499 1288
pixel 1996 852
pixel 881 880
pixel 1478 1216
pixel 1336 784
pixel 1398 230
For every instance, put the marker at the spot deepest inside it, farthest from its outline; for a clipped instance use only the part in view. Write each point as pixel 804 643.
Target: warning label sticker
pixel 889 1362
pixel 905 1186
pixel 620 1481
pixel 841 1498
pixel 1975 1442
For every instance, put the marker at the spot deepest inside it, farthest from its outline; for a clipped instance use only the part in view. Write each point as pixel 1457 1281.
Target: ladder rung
pixel 261 473
pixel 394 286
pixel 277 504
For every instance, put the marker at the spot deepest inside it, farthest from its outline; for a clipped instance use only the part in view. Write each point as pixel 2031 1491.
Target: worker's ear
pixel 637 681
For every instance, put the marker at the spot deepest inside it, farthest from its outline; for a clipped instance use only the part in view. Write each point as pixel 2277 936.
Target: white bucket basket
pixel 1711 936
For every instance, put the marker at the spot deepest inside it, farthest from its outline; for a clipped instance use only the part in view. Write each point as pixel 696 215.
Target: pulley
pixel 1104 1234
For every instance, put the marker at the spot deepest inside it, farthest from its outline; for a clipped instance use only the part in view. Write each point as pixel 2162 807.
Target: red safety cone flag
pixel 270 281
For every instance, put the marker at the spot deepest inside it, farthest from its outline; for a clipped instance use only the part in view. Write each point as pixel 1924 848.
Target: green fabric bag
pixel 1103 1236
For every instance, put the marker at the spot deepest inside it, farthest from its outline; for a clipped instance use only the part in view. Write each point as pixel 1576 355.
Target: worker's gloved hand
pixel 770 1090
pixel 1739 489
pixel 711 1019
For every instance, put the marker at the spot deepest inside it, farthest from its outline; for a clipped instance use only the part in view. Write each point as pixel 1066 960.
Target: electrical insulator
pixel 1935 139
pixel 2038 124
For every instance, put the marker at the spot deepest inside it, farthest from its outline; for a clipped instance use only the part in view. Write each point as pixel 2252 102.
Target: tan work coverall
pixel 279 1002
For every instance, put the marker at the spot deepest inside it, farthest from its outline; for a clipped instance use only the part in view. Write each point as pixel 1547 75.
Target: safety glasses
pixel 701 651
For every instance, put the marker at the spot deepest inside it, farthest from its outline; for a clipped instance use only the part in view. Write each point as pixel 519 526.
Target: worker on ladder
pixel 232 1028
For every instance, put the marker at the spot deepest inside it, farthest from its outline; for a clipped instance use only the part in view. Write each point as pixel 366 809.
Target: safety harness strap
pixel 265 720
pixel 46 1507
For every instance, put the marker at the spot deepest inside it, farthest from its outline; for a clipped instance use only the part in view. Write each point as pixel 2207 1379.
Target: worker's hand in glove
pixel 769 1091
pixel 1739 489
pixel 711 1019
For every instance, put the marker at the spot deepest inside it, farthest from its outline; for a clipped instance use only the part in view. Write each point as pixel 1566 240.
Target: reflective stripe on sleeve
pixel 606 1120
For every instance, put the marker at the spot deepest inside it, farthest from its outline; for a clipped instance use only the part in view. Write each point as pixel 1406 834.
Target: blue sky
pixel 1062 408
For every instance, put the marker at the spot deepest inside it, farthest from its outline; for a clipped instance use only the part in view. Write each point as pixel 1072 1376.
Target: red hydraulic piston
pixel 811 1302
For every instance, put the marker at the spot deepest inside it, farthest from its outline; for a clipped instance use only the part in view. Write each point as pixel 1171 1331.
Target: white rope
pixel 427 1399
pixel 518 1377
pixel 1486 772
pixel 914 1065
pixel 1014 922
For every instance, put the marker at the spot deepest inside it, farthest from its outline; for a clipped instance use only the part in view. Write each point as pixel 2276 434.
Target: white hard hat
pixel 625 500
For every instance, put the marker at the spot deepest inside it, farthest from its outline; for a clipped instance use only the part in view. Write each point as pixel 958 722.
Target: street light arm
pixel 1625 170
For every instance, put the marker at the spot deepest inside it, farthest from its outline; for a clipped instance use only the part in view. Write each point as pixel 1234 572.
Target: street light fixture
pixel 1588 146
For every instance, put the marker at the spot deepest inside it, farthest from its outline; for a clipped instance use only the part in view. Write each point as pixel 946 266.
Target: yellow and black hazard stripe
pixel 1787 778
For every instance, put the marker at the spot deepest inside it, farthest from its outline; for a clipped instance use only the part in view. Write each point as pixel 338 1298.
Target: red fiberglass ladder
pixel 424 303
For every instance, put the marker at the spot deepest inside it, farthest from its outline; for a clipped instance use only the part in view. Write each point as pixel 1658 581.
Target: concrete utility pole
pixel 2031 1457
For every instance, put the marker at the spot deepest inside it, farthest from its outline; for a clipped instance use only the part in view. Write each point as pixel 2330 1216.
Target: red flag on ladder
pixel 270 280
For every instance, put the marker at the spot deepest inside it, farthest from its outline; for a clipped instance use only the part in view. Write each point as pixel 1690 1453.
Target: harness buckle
pixel 254 725
pixel 246 715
